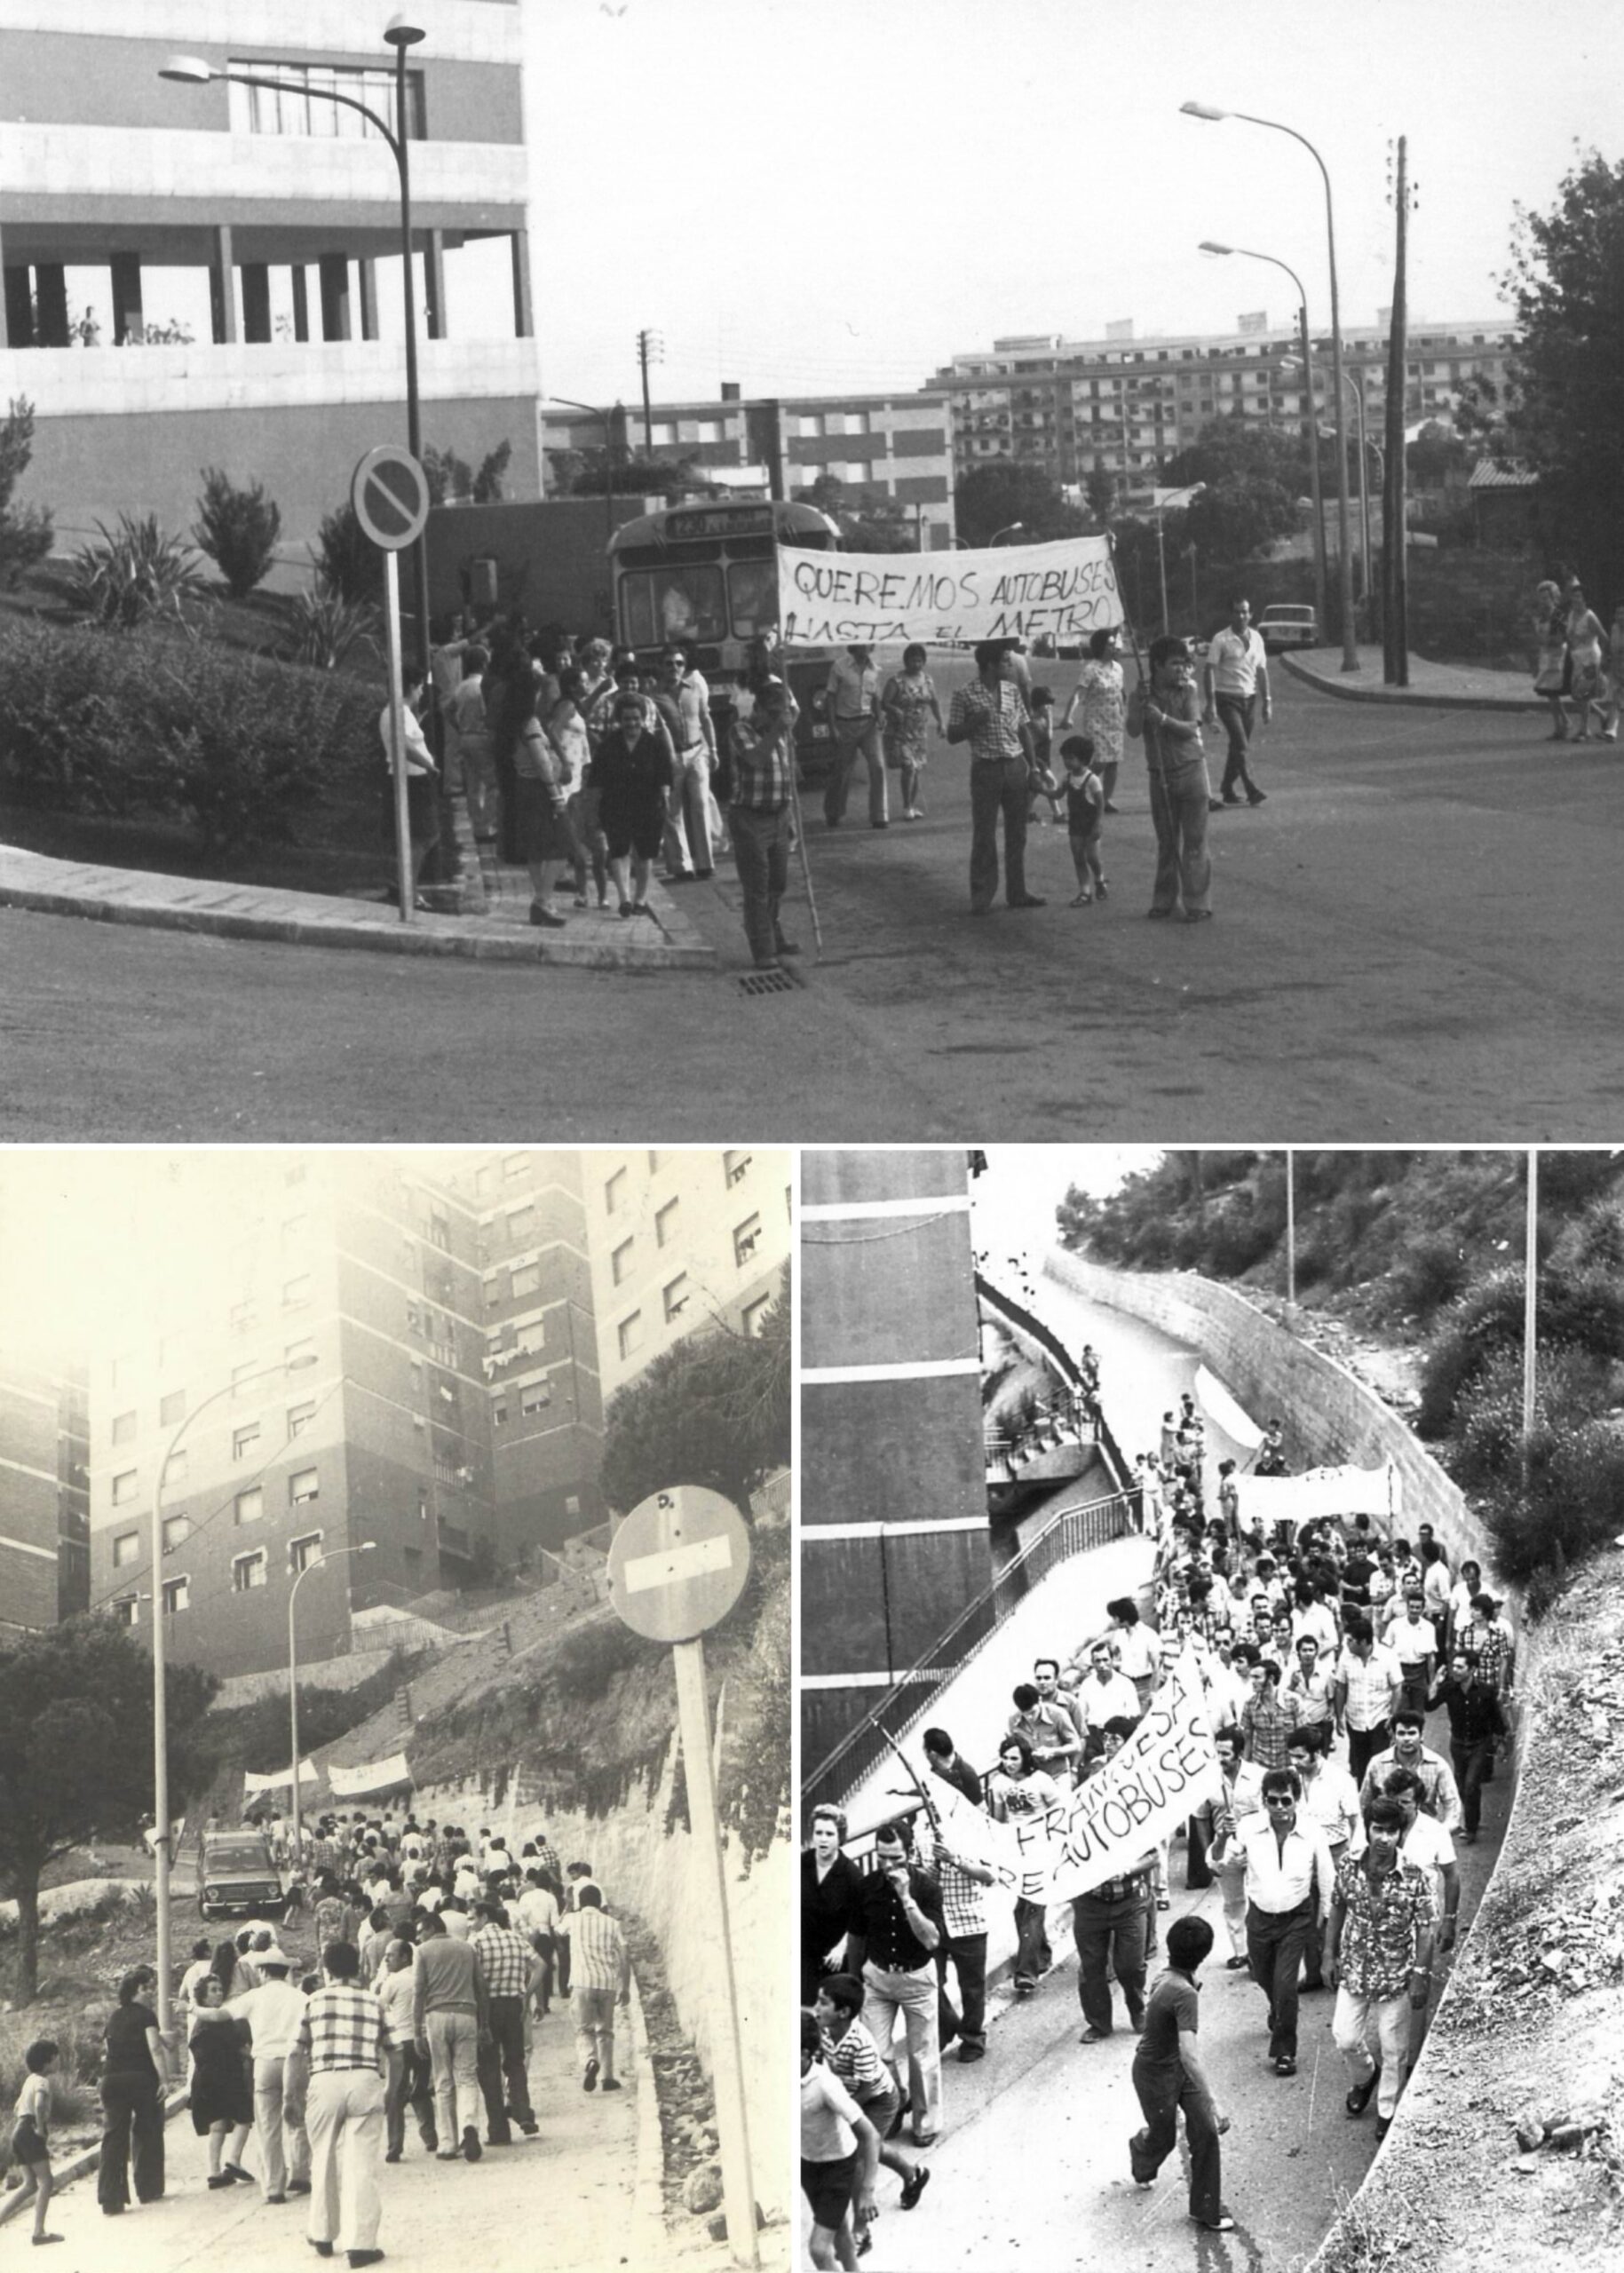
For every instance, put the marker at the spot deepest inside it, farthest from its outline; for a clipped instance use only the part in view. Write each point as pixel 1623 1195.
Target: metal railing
pixel 1071 1530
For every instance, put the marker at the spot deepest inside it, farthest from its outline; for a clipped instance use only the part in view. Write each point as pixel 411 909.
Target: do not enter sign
pixel 390 493
pixel 678 1563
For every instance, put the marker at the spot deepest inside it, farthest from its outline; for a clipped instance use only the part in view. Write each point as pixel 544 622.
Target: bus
pixel 706 575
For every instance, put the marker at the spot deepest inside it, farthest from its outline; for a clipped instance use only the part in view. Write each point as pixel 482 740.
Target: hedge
pixel 157 725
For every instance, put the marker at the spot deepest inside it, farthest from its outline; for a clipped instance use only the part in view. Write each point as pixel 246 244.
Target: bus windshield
pixel 665 604
pixel 705 574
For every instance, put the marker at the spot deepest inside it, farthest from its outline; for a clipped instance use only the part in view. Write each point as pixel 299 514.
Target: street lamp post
pixel 1011 528
pixel 1349 645
pixel 191 70
pixel 337 1555
pixel 162 1858
pixel 1311 422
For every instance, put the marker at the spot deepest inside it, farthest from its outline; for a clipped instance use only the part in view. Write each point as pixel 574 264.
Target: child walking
pixel 31 2133
pixel 1085 809
pixel 1042 784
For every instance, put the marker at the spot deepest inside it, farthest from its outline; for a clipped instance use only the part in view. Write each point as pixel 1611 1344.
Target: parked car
pixel 235 1873
pixel 1286 625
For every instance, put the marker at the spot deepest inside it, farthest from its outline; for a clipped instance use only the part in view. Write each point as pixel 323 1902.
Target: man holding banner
pixel 989 715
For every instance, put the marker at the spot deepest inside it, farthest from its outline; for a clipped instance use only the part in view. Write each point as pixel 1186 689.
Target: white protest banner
pixel 1018 591
pixel 1319 1492
pixel 374 1776
pixel 1160 1775
pixel 309 1773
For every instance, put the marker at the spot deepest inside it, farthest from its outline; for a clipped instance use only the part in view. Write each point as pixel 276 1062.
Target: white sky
pixel 1012 1207
pixel 839 194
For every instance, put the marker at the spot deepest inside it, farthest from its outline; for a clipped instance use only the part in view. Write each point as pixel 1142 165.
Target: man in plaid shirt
pixel 990 715
pixel 335 2086
pixel 601 1975
pixel 761 753
pixel 510 1967
pixel 953 1850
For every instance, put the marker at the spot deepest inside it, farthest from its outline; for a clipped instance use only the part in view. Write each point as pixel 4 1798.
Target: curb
pixel 648 2188
pixel 1408 697
pixel 43 886
pixel 83 2163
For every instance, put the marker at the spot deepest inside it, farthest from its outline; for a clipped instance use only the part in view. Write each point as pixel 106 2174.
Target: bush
pixel 238 529
pixel 327 629
pixel 1431 1272
pixel 137 571
pixel 348 561
pixel 26 533
pixel 152 724
pixel 1573 1503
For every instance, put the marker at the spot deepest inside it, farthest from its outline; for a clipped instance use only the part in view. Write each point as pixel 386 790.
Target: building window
pixel 445 1466
pixel 665 1223
pixel 746 1238
pixel 304 1551
pixel 677 1296
pixel 123 1428
pixel 620 1262
pixel 126 1548
pixel 304 1488
pixel 296 1294
pixel 249 1506
pixel 124 1488
pixel 572 1503
pixel 753 1318
pixel 535 1396
pixel 176 1528
pixel 247 1572
pixel 614 1193
pixel 492 1290
pixel 628 1333
pixel 244 1439
pixel 297 107
pixel 663 432
pixel 736 1167
pixel 513 1165
pixel 172 1408
pixel 526 1280
pixel 127 1610
pixel 521 1224
pixel 177 1596
pixel 299 1417
pixel 300 1353
pixel 499 1414
pixel 440 1230
pixel 446 1391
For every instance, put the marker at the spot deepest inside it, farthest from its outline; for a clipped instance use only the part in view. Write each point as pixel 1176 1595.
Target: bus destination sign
pixel 720 520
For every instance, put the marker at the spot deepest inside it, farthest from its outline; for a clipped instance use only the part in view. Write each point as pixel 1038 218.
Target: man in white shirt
pixel 1413 1640
pixel 1243 1798
pixel 536 1912
pixel 1234 674
pixel 1330 1798
pixel 1439 1794
pixel 1106 1693
pixel 273 2011
pixel 1288 1887
pixel 1366 1693
pixel 853 694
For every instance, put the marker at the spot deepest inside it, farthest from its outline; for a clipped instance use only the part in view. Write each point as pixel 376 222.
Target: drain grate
pixel 767 982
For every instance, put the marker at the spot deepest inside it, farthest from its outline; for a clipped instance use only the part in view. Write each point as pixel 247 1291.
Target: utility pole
pixel 1395 564
pixel 1530 1303
pixel 650 349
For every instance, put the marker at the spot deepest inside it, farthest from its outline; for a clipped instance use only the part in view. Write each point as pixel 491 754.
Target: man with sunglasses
pixel 1289 1882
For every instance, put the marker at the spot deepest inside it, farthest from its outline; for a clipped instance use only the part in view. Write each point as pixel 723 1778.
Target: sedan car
pixel 1285 625
pixel 236 1873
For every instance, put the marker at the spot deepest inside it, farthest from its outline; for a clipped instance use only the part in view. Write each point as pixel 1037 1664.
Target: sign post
pixel 677 1566
pixel 390 493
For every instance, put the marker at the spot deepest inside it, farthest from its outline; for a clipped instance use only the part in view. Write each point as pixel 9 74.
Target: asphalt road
pixel 1417 937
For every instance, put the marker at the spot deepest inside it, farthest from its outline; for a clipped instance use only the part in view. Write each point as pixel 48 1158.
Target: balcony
pixel 277 375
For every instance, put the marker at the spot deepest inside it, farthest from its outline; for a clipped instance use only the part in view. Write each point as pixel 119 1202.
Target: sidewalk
pixel 593 938
pixel 1433 686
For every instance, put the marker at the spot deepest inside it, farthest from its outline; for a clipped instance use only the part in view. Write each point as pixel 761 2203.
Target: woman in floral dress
pixel 908 701
pixel 1100 700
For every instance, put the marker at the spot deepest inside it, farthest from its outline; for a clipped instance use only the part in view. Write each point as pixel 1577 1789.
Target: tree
pixel 1561 414
pixel 1236 448
pixel 1099 490
pixel 713 1410
pixel 1233 519
pixel 26 533
pixel 450 477
pixel 75 1751
pixel 867 524
pixel 492 467
pixel 238 529
pixel 590 472
pixel 348 563
pixel 1437 451
pixel 991 496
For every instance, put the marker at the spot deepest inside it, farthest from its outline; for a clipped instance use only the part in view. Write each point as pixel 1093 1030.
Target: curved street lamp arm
pixel 321 94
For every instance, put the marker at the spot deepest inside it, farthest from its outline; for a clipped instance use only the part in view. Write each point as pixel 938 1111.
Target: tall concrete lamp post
pixel 162 1858
pixel 1242 252
pixel 1349 643
pixel 316 1564
pixel 191 70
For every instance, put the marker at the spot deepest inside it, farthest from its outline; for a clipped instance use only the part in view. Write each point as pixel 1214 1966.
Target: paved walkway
pixel 1434 686
pixel 501 932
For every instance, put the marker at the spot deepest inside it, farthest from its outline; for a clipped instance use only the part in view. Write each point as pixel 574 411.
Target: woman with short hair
pixel 1014 1789
pixel 909 702
pixel 134 2080
pixel 222 2097
pixel 830 1886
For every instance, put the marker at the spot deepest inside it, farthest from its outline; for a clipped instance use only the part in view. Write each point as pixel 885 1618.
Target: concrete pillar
pixel 434 283
pixel 335 295
pixel 301 304
pixel 223 290
pixel 127 321
pixel 17 314
pixel 523 315
pixel 51 290
pixel 256 302
pixel 368 299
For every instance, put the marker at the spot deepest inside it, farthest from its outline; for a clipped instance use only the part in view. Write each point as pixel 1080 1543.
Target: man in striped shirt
pixel 600 1976
pixel 334 2084
pixel 511 1969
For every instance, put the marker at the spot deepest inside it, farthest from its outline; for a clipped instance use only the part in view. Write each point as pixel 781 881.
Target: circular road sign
pixel 678 1563
pixel 390 493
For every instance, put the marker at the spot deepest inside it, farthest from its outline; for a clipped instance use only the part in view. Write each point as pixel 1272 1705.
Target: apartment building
pixel 1121 406
pixel 44 1491
pixel 681 1240
pixel 124 195
pixel 892 450
pixel 353 1363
